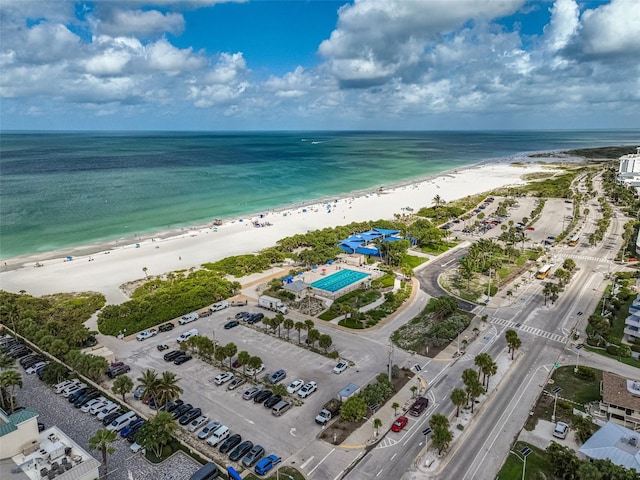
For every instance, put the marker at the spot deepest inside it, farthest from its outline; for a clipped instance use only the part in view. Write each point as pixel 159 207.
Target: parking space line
pixel 320 462
pixel 304 465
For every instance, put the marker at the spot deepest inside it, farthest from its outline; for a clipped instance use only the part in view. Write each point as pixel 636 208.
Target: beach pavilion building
pixel 364 243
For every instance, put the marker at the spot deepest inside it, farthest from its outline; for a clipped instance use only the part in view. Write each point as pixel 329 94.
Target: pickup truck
pixel 330 410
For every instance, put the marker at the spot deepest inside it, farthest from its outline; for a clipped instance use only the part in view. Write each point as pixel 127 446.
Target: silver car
pixel 250 393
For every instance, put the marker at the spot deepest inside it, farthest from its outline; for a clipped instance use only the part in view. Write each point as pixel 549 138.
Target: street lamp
pixel 555 391
pixel 426 433
pixel 578 348
pixel 525 451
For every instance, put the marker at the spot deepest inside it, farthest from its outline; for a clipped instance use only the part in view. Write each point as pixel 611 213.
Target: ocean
pixel 62 190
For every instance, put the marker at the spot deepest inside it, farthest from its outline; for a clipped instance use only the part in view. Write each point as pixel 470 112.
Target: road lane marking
pixel 320 462
pixel 378 474
pixel 393 456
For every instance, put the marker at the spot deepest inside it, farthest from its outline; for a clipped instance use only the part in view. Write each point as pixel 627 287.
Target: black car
pixel 31 360
pixel 240 451
pixel 171 406
pixel 255 454
pixel 77 394
pixel 82 399
pixel 190 415
pixel 182 358
pixel 262 396
pixel 167 327
pixel 272 401
pixel 111 417
pixel 120 370
pixel 172 355
pixel 231 324
pixel 241 315
pixel 230 443
pixel 41 427
pixel 181 410
pixel 255 318
pixel 131 436
pixel 19 352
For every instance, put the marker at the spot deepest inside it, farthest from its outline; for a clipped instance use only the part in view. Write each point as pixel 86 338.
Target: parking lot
pixel 281 435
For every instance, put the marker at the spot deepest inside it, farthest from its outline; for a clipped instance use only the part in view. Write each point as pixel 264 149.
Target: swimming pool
pixel 339 280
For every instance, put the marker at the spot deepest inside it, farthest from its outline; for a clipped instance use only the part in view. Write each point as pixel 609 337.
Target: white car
pixel 251 371
pixel 223 378
pixel 295 386
pixel 146 334
pixel 186 335
pixel 308 389
pixel 87 405
pixel 136 447
pixel 340 367
pixel 34 368
pixel 96 407
pixel 197 423
pixel 107 410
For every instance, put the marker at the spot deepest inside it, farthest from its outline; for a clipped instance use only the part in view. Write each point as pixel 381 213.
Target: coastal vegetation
pixel 438 324
pixel 161 299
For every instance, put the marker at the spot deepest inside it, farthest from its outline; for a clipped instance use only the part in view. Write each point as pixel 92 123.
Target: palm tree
pixel 254 363
pixel 144 269
pixel 288 325
pixel 325 341
pixel 395 406
pixel 299 326
pixel 156 433
pixel 6 362
pixel 313 336
pixel 230 350
pixel 122 385
pixel 482 361
pixel 168 388
pixel 149 381
pixel 513 342
pixel 377 423
pixel 490 371
pixel 474 391
pixel 9 380
pixel 243 359
pixel 308 325
pixel 102 441
pixel 458 398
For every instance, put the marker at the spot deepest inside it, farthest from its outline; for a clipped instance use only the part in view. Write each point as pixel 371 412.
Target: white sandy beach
pixel 107 270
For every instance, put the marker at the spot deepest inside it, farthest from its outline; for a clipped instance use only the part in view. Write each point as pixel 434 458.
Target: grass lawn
pixel 538 465
pixel 411 261
pixel 574 388
pixel 438 248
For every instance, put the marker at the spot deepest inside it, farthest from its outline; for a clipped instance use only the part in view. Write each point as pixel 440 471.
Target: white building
pixel 26 454
pixel 630 163
pixel 632 322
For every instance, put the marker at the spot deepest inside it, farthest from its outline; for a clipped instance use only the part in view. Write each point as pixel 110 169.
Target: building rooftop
pixel 9 423
pixel 616 443
pixel 56 453
pixel 616 391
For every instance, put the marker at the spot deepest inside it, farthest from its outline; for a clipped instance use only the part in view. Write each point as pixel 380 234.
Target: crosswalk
pixel 588 258
pixel 531 330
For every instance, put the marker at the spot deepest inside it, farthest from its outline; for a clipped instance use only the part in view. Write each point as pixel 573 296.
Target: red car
pixel 399 424
pixel 530 228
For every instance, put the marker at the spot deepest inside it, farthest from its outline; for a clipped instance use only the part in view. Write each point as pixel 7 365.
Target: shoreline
pixel 104 267
pixel 101 246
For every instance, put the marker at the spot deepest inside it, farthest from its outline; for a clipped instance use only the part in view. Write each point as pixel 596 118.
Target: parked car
pixel 190 317
pixel 561 430
pixel 34 368
pixel 137 394
pixel 208 430
pixel 241 450
pixel 171 406
pixel 230 443
pixel 250 393
pixel 272 401
pixel 399 424
pixel 295 386
pixel 167 327
pixel 146 334
pixel 240 315
pixel 223 378
pixel 182 359
pixel 121 370
pixel 99 405
pixel 111 417
pixel 307 389
pixel 231 324
pixel 251 371
pixel 108 410
pixel 277 376
pixel 187 335
pixel 255 454
pixel 197 423
pixel 255 318
pixel 133 425
pixel 172 355
pixel 267 463
pixel 189 416
pixel 419 406
pixel 340 367
pixel 162 347
pixel 235 383
pixel 262 396
pixel 181 410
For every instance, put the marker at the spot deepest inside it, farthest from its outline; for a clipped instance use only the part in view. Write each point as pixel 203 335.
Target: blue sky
pixel 315 64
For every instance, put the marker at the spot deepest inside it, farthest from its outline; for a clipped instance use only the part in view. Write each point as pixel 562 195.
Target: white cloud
pixel 137 22
pixel 563 24
pixel 222 84
pixel 611 30
pixel 163 56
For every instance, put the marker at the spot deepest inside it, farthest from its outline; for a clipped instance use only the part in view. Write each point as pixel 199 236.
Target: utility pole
pixel 390 359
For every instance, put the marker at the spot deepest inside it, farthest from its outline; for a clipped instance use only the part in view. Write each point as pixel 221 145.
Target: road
pixel 544 330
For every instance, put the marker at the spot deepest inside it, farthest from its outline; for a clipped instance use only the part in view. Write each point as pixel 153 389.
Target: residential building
pixel 632 322
pixel 620 400
pixel 616 443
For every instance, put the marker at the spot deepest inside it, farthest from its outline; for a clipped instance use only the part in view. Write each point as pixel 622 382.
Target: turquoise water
pixel 60 190
pixel 339 280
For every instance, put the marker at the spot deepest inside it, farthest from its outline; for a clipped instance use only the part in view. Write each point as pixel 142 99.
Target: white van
pixel 72 389
pixel 122 421
pixel 216 307
pixel 280 407
pixel 188 318
pixel 188 334
pixel 220 434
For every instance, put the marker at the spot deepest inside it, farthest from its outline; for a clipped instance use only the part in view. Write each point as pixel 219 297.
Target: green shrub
pixel 586 373
pixel 613 349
